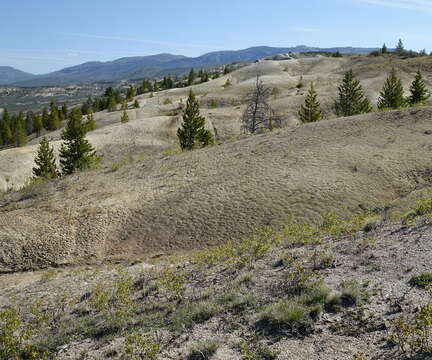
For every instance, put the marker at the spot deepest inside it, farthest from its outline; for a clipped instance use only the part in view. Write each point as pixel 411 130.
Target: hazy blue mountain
pixel 9 75
pixel 163 64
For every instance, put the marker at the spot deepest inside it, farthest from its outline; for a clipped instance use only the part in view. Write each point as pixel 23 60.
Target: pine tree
pixel 311 110
pixel 91 122
pixel 191 77
pixel 125 117
pixel 384 49
pixel 192 133
pixel 419 91
pixel 64 111
pixel 392 94
pixel 53 119
pixel 124 106
pixel 131 93
pixel 76 153
pixel 136 104
pixel 29 122
pixel 5 129
pixel 352 100
pixel 400 49
pixel 45 118
pixel 37 125
pixel 45 161
pixel 112 104
pixel 19 133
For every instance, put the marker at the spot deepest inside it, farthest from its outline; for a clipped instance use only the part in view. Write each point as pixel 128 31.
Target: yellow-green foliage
pixel 422 208
pixel 15 335
pixel 296 233
pixel 141 346
pixel 172 281
pixel 167 101
pixel 171 152
pixel 243 252
pixel 333 225
pixel 414 336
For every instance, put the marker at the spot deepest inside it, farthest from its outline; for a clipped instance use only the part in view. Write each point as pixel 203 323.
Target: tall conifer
pixel 45 161
pixel 419 91
pixel 352 100
pixel 392 94
pixel 311 110
pixel 192 132
pixel 76 152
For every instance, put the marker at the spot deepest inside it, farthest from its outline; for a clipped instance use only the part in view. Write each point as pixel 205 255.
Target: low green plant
pixel 141 346
pixel 172 152
pixel 422 208
pixel 193 313
pixel 256 351
pixel 167 101
pixel 422 281
pixel 172 281
pixel 203 350
pixel 287 316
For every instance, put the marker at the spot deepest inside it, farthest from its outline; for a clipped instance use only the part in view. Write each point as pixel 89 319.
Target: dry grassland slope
pixel 208 196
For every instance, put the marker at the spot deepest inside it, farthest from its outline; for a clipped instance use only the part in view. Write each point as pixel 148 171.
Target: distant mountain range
pixel 153 66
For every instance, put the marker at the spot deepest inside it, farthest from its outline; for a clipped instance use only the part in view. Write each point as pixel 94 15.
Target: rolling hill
pixel 9 75
pixel 163 64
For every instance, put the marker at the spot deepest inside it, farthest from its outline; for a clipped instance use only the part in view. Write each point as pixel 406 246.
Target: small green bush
pixel 167 101
pixel 287 315
pixel 422 280
pixel 421 208
pixel 203 350
pixel 172 281
pixel 141 346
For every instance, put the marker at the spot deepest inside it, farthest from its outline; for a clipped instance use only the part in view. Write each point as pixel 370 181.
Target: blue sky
pixel 45 35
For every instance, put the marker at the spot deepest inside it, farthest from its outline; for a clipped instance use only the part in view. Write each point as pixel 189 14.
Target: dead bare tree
pixel 258 114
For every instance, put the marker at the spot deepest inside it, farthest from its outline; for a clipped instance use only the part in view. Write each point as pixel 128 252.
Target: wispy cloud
pixel 136 40
pixel 419 5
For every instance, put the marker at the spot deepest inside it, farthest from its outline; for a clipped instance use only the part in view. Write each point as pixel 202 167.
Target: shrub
pixel 173 281
pixel 256 352
pixel 421 281
pixel 351 293
pixel 193 313
pixel 421 208
pixel 167 101
pixel 203 350
pixel 287 315
pixel 141 346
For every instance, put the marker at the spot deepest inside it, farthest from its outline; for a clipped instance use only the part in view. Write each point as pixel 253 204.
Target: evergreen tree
pixel 76 153
pixel 53 118
pixel 384 49
pixel 352 100
pixel 131 93
pixel 392 94
pixel 125 117
pixel 64 111
pixel 311 110
pixel 91 122
pixel 192 132
pixel 112 104
pixel 29 122
pixel 19 133
pixel 136 104
pixel 191 77
pixel 419 91
pixel 45 118
pixel 124 106
pixel 400 49
pixel 5 129
pixel 205 77
pixel 45 161
pixel 37 125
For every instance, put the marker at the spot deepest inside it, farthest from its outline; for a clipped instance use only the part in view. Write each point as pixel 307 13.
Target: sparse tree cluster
pixel 352 100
